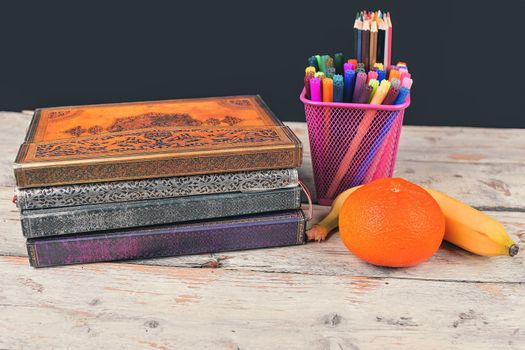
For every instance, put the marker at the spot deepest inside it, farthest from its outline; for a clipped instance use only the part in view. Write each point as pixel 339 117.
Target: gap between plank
pixel 502 209
pixel 299 273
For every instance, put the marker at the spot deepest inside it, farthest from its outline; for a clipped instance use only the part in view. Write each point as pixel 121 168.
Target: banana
pixel 319 231
pixel 465 226
pixel 473 230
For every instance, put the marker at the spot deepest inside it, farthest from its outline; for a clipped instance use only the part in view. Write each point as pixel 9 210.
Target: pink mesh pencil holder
pixel 351 144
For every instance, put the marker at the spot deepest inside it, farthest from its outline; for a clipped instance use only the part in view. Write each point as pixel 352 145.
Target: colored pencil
pixel 388 45
pixel 373 43
pixel 358 27
pixel 365 44
pixel 381 39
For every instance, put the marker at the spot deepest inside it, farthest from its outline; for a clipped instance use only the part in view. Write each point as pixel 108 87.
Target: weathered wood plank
pixel 133 306
pixel 487 186
pixel 278 291
pixel 12 134
pixel 332 258
pixel 468 145
pixel 452 144
pixel 441 165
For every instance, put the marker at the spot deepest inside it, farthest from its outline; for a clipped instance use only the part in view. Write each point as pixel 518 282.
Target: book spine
pixel 282 229
pixel 124 191
pixel 99 217
pixel 73 173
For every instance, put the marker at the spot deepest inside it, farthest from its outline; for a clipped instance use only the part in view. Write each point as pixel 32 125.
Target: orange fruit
pixel 391 222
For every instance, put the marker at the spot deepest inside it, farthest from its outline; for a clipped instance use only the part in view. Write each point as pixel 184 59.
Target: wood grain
pixel 327 258
pixel 453 144
pixel 432 157
pixel 316 296
pixel 133 306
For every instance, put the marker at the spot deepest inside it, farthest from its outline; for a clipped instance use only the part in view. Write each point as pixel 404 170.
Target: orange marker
pixel 328 90
pixel 353 61
pixel 393 74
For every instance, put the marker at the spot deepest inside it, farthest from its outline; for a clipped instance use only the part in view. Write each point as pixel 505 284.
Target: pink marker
pixel 371 75
pixel 403 74
pixel 348 66
pixel 407 82
pixel 315 89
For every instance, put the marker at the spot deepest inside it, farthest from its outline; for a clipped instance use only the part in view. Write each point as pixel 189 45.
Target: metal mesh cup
pixel 351 144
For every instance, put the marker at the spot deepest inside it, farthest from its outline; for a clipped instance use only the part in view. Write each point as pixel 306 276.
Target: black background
pixel 466 57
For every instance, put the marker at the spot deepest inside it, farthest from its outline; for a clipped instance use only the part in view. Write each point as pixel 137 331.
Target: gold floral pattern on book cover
pixel 156 140
pixel 67 122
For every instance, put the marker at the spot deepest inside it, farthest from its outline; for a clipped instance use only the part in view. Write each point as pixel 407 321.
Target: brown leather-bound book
pixel 126 141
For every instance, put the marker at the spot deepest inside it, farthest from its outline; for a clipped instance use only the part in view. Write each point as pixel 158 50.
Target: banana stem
pixel 319 231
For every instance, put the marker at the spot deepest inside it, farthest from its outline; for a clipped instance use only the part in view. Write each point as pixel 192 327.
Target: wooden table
pixel 316 296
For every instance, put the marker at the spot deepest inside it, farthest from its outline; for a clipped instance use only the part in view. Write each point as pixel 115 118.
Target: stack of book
pixel 155 179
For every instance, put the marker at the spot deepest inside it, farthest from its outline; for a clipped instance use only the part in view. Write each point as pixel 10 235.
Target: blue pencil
pixel 358 37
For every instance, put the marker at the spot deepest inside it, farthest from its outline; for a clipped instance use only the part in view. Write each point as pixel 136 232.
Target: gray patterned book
pixel 169 187
pixel 109 216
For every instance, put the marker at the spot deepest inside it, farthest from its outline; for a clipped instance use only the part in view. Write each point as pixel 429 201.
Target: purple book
pixel 211 236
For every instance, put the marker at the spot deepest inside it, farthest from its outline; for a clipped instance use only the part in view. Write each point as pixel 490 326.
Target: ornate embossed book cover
pixel 126 141
pixel 109 216
pixel 248 232
pixel 165 187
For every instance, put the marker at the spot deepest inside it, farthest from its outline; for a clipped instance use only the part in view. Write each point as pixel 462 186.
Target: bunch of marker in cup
pixel 329 80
